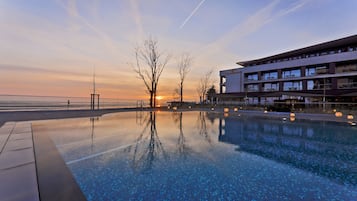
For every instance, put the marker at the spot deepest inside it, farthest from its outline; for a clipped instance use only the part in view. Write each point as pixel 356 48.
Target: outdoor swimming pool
pixel 206 156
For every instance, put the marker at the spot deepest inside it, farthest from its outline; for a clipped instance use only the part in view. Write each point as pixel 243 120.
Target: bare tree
pixel 203 85
pixel 153 63
pixel 183 64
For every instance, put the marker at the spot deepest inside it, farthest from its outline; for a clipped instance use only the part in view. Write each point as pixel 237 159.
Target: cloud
pixel 252 24
pixel 38 70
pixel 137 18
pixel 293 8
pixel 73 12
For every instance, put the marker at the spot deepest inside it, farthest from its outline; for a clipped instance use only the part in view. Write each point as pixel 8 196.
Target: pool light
pixel 350 117
pixel 338 114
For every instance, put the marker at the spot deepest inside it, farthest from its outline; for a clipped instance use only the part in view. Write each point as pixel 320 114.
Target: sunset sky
pixel 50 47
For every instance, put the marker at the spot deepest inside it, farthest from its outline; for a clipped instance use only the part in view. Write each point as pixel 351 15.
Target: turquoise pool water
pixel 206 156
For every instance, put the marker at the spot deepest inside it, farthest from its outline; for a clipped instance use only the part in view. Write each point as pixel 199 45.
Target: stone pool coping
pixel 24 154
pixel 55 181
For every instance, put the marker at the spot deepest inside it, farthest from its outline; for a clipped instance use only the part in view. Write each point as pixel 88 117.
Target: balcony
pixel 270 78
pixel 250 80
pixel 350 85
pixel 293 89
pixel 270 89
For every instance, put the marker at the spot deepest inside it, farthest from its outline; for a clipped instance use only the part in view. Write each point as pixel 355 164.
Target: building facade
pixel 325 72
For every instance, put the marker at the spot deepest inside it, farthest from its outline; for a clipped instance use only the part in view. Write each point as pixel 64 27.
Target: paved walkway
pixel 18 180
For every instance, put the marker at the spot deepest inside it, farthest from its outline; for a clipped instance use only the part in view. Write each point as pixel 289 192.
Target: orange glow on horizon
pixel 159 97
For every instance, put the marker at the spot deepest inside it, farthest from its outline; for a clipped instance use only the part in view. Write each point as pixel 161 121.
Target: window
pixel 270 75
pixel 252 88
pixel 344 83
pixel 292 86
pixel 310 71
pixel 252 77
pixel 271 87
pixel 321 70
pixel 291 73
pixel 346 68
pixel 310 85
pixel 319 84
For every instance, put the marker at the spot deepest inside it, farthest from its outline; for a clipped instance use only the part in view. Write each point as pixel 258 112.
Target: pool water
pixel 206 156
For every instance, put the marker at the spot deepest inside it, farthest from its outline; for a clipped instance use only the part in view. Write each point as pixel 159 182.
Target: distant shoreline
pixel 8 116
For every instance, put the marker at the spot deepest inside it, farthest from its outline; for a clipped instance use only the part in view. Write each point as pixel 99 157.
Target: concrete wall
pixel 234 83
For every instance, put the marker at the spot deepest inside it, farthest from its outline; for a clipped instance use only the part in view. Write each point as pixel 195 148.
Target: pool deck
pixel 18 177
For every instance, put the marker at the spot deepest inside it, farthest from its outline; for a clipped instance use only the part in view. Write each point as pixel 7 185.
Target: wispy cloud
pixel 191 14
pixel 72 10
pixel 293 8
pixel 252 24
pixel 137 18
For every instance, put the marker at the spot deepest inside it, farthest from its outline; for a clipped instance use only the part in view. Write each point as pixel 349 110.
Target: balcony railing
pixel 270 89
pixel 349 85
pixel 270 78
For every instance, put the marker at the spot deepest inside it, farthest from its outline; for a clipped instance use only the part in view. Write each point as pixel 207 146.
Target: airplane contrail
pixel 192 13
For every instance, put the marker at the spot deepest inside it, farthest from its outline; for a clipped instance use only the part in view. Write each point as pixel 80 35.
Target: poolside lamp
pixel 174 108
pixel 235 109
pixel 338 114
pixel 265 111
pixel 292 118
pixel 226 109
pixel 292 115
pixel 212 108
pixel 350 117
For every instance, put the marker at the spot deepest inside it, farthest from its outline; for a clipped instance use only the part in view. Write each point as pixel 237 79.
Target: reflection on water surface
pixel 205 156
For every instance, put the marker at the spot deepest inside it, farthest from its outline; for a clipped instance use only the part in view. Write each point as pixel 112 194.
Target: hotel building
pixel 325 72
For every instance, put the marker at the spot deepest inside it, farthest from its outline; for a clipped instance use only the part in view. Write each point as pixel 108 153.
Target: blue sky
pixel 49 47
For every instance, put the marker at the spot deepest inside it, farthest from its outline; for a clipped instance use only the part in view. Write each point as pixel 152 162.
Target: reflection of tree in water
pixel 182 149
pixel 146 153
pixel 140 118
pixel 202 126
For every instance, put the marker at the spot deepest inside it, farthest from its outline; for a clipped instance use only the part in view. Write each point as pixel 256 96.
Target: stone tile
pixel 25 129
pixel 19 184
pixel 3 139
pixel 9 159
pixel 20 136
pixel 18 144
pixel 6 129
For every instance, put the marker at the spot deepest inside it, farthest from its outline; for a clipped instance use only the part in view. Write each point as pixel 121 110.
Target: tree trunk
pixel 181 93
pixel 151 98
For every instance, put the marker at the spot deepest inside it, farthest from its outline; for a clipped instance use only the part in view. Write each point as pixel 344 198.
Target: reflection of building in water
pixel 323 149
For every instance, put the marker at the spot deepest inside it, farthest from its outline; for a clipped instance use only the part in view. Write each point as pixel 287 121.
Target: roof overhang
pixel 314 48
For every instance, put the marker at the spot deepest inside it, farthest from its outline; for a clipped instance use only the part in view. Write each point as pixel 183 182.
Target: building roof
pixel 343 42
